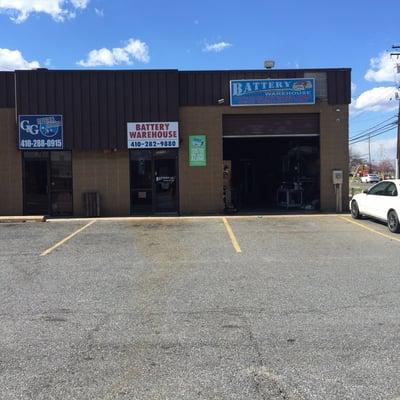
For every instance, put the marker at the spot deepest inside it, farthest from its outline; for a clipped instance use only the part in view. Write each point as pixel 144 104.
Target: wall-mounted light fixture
pixel 269 64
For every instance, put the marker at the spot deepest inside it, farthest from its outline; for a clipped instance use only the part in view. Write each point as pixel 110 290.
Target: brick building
pixel 243 140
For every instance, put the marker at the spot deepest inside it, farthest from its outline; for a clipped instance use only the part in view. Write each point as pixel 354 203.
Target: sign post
pixel 197 150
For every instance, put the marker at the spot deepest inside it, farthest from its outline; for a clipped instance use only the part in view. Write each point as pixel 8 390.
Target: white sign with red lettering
pixel 153 135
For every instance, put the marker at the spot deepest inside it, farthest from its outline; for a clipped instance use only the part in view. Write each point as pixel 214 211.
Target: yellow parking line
pixel 232 236
pixel 49 250
pixel 371 230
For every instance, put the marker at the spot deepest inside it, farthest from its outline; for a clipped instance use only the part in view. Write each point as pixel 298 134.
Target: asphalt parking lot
pixel 200 308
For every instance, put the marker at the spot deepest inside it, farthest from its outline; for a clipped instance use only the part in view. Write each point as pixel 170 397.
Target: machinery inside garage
pixel 264 172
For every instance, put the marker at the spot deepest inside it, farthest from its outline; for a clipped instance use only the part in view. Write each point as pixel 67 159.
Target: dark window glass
pixel 154 180
pixel 28 155
pixel 141 174
pixel 391 190
pixel 61 182
pixel 141 155
pixel 379 189
pixel 48 182
pixel 165 176
pixel 36 196
pixel 141 181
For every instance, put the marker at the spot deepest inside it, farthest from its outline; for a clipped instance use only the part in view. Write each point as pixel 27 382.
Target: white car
pixel 381 201
pixel 370 178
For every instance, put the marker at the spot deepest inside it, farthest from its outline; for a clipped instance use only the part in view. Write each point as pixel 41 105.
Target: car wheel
pixel 393 222
pixel 355 212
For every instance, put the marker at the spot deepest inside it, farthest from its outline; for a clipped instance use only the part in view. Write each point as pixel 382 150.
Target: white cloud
pixel 216 47
pixel 80 3
pixel 13 59
pixel 382 69
pixel 379 99
pixel 19 10
pixel 134 50
pixel 99 12
pixel 353 87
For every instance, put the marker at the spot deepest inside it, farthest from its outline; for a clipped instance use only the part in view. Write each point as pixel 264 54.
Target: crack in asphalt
pixel 266 383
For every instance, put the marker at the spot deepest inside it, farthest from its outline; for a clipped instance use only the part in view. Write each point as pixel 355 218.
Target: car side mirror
pixel 365 191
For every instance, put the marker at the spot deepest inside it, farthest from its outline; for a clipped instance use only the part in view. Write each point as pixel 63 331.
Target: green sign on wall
pixel 197 150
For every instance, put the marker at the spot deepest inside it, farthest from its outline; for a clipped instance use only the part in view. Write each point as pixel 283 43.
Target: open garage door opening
pixel 278 170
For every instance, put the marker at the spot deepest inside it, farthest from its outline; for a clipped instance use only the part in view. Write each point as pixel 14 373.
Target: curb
pixel 194 217
pixel 25 218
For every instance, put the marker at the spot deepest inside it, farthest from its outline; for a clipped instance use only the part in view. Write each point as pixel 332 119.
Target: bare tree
pixel 385 167
pixel 355 160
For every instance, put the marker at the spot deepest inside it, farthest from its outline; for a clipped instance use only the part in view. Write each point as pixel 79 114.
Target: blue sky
pixel 214 35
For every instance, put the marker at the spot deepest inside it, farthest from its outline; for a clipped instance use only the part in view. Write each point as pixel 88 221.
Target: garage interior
pixel 271 162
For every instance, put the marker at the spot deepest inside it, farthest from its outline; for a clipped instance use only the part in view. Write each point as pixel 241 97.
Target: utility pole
pixel 398 140
pixel 381 151
pixel 369 154
pixel 396 54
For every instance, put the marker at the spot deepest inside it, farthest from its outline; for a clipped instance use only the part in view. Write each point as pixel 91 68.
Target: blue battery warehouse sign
pixel 258 92
pixel 41 132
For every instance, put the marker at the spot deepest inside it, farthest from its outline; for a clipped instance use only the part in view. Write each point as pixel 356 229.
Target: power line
pixel 373 126
pixel 367 118
pixel 375 135
pixel 371 131
pixel 372 137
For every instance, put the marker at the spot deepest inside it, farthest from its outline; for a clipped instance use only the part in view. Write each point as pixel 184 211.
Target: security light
pixel 269 64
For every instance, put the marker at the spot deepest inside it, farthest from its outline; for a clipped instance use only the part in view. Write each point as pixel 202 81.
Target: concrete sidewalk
pixel 191 217
pixel 22 218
